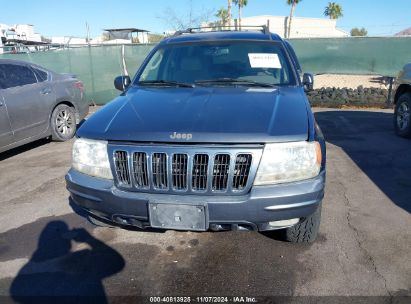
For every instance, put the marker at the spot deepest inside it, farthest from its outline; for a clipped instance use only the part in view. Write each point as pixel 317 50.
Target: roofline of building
pixel 131 29
pixel 294 17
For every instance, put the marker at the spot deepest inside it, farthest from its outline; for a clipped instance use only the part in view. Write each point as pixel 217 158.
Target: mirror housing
pixel 308 82
pixel 121 83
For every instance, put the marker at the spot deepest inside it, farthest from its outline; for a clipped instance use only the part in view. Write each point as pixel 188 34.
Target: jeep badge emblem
pixel 186 136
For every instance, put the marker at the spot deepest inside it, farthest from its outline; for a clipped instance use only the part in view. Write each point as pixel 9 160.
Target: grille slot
pixel 241 171
pixel 200 172
pixel 179 171
pixel 122 169
pixel 140 170
pixel 159 169
pixel 220 172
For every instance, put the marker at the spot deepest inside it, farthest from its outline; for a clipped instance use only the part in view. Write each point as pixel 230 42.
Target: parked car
pixel 36 103
pixel 402 102
pixel 214 132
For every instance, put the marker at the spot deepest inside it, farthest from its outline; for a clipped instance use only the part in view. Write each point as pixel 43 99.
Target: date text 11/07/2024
pixel 200 299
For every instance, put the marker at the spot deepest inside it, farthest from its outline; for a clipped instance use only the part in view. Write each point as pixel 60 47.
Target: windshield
pixel 223 63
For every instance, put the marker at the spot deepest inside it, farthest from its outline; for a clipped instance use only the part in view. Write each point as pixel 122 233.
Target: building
pixel 125 36
pixel 19 38
pixel 301 27
pixel 406 32
pixel 22 32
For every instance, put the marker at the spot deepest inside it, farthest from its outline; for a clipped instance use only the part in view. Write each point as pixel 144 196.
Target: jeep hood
pixel 202 115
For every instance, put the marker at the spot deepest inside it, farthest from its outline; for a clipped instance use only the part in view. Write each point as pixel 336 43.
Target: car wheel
pixel 63 123
pixel 402 115
pixel 305 231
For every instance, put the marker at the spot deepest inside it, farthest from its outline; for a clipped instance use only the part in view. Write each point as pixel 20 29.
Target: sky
pixel 69 18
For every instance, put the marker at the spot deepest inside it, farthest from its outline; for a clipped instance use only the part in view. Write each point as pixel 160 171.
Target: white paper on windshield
pixel 264 60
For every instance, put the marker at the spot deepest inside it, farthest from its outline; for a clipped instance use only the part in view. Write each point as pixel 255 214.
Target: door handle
pixel 1 103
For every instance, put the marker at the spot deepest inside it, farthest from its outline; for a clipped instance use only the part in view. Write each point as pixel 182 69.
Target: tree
pixel 359 32
pixel 229 2
pixel 44 39
pixel 333 10
pixel 240 4
pixel 222 14
pixel 293 4
pixel 154 38
pixel 177 21
pixel 105 36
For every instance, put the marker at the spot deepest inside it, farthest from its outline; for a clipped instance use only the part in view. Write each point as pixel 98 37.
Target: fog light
pixel 284 223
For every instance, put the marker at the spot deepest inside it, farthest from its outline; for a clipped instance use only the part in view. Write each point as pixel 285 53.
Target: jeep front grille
pixel 159 169
pixel 200 170
pixel 140 170
pixel 122 168
pixel 199 175
pixel 241 170
pixel 220 171
pixel 179 171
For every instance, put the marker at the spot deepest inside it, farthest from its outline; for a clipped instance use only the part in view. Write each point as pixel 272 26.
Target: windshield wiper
pixel 235 82
pixel 162 82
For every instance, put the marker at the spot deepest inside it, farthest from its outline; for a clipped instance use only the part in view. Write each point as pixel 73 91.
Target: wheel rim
pixel 403 116
pixel 65 123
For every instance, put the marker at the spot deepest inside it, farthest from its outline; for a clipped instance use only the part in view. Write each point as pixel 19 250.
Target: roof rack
pixel 224 28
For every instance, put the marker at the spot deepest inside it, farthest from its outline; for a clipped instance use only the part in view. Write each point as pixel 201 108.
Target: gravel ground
pixel 363 248
pixel 349 81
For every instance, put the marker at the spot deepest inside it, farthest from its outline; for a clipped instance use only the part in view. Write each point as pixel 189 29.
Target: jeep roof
pixel 188 36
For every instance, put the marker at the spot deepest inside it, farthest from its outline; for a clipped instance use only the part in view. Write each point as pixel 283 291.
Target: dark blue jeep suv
pixel 214 132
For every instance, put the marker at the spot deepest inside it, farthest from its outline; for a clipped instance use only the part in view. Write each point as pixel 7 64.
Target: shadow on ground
pixel 67 260
pixel 24 148
pixel 368 138
pixel 55 268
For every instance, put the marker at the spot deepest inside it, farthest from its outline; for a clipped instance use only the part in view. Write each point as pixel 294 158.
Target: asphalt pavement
pixel 363 249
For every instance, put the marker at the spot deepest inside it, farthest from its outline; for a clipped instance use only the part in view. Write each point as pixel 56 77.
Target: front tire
pixel 63 123
pixel 402 115
pixel 305 231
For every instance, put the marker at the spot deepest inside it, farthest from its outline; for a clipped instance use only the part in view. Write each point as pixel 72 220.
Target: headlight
pixel 289 162
pixel 90 157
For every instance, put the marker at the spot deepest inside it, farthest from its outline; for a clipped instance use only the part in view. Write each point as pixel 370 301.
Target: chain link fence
pixel 96 66
pixel 347 70
pixel 352 71
pixel 339 90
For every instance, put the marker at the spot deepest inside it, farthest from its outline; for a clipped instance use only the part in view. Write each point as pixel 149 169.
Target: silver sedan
pixel 37 103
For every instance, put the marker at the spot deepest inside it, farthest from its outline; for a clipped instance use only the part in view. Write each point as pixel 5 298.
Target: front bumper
pixel 254 210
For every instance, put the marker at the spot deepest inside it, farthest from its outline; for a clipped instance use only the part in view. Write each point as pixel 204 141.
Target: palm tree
pixel 293 3
pixel 222 14
pixel 333 10
pixel 240 4
pixel 229 2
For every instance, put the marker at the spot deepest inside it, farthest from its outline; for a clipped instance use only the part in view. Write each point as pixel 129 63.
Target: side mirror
pixel 308 81
pixel 122 82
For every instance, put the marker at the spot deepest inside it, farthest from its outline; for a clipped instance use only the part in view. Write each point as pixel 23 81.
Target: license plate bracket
pixel 178 216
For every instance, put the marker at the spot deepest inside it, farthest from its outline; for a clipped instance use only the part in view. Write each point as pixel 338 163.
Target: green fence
pixel 98 65
pixel 355 55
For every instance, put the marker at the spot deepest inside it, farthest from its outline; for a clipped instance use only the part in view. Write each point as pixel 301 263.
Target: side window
pixel 41 75
pixel 12 75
